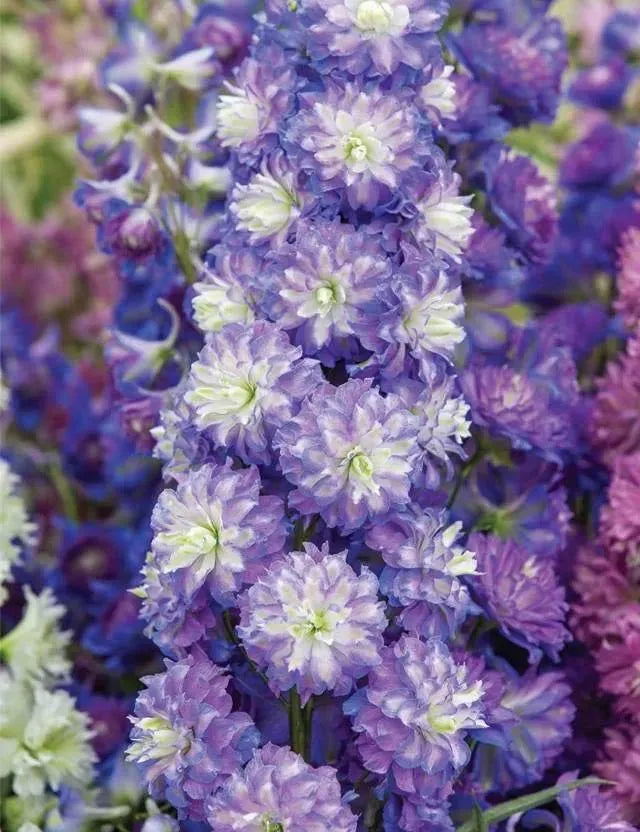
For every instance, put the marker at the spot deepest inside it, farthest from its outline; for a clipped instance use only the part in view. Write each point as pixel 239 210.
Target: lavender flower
pixel 423 571
pixel 522 593
pixel 363 141
pixel 270 203
pixel 313 623
pixel 350 452
pixel 525 203
pixel 249 110
pixel 522 66
pixel 184 736
pixel 216 528
pixel 248 381
pixel 324 287
pixel 371 36
pixel 416 711
pixel 527 730
pixel 425 310
pixel 277 790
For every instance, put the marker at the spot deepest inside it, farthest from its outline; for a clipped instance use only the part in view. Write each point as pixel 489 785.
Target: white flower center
pixel 360 466
pixel 163 740
pixel 355 149
pixel 264 207
pixel 379 17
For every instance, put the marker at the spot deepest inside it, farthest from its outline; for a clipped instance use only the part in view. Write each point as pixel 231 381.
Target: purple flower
pixel 313 623
pixel 425 310
pixel 184 736
pixel 532 399
pixel 443 421
pixel 323 288
pixel 362 140
pixel 423 571
pixel 172 624
pixel 525 501
pixel 603 85
pixel 416 711
pixel 522 66
pixel 521 592
pixel 524 201
pixel 216 528
pixel 603 156
pixel 372 36
pixel 350 452
pixel 277 790
pixel 133 233
pixel 628 303
pixel 249 110
pixel 270 203
pixel 527 730
pixel 248 381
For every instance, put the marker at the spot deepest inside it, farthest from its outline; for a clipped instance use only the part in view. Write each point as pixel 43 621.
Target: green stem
pixel 466 469
pixel 297 732
pixel 65 492
pixel 503 811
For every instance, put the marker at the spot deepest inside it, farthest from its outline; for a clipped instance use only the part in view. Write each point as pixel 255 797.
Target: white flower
pixel 16 530
pixel 238 117
pixel 446 419
pixel 447 215
pixel 434 322
pixel 218 303
pixel 379 17
pixel 266 206
pixel 35 648
pixel 44 740
pixel 440 94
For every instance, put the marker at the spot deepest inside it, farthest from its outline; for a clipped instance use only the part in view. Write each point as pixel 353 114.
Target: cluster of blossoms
pixel 358 331
pixel 44 738
pixel 347 371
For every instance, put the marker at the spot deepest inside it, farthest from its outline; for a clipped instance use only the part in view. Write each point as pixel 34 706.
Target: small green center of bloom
pixel 269 825
pixel 325 296
pixel 204 539
pixel 317 623
pixel 360 465
pixel 374 16
pixel 355 149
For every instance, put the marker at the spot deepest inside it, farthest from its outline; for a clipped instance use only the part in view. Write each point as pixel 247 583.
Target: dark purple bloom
pixel 522 66
pixel 527 730
pixel 602 85
pixel 602 157
pixel 524 202
pixel 520 591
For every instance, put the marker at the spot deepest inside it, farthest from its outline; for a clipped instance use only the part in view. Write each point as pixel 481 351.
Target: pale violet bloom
pixel 365 141
pixel 313 623
pixel 438 95
pixel 351 453
pixel 268 205
pixel 323 288
pixel 247 381
pixel 220 300
pixel 426 311
pixel 35 649
pixel 417 710
pixel 16 530
pixel 445 217
pixel 44 739
pixel 217 528
pixel 238 116
pixel 372 36
pixel 424 566
pixel 444 420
